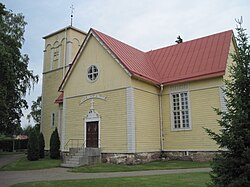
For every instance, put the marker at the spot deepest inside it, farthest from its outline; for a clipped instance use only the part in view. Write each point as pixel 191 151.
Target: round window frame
pixel 92 73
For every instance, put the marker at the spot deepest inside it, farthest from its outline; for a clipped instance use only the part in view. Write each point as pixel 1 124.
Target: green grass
pixel 24 164
pixel 157 165
pixel 170 180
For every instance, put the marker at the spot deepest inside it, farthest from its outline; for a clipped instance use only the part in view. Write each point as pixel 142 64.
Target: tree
pixel 41 145
pixel 232 166
pixel 55 145
pixel 36 111
pixel 33 147
pixel 15 77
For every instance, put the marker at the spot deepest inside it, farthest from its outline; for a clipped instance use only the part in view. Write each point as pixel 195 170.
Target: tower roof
pixel 63 29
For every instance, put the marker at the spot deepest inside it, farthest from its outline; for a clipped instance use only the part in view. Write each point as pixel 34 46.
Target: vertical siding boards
pixel 113 122
pixel 204 96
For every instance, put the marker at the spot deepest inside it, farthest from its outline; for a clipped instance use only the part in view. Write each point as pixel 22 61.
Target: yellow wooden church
pixel 133 106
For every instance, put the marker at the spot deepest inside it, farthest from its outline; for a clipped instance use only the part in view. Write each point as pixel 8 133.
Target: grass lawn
pixel 24 164
pixel 157 165
pixel 170 180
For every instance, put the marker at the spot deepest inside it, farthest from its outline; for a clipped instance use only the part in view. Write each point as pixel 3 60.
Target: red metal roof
pixel 136 61
pixel 197 59
pixel 204 57
pixel 59 100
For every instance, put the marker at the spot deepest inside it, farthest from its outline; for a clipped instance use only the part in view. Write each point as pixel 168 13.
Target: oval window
pixel 92 73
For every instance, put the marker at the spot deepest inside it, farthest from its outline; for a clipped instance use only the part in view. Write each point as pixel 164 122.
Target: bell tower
pixel 59 51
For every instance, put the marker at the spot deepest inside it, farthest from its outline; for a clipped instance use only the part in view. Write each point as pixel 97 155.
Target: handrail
pixel 74 143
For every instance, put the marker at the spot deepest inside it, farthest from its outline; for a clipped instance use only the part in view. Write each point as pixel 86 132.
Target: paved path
pixel 8 158
pixel 8 178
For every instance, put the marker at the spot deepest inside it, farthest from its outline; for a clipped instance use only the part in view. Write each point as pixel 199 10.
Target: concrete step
pixel 74 159
pixel 72 162
pixel 80 157
pixel 69 165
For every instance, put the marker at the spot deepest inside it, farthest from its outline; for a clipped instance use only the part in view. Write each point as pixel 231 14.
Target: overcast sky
pixel 144 24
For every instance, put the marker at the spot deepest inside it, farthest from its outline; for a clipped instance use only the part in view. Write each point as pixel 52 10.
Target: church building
pixel 134 106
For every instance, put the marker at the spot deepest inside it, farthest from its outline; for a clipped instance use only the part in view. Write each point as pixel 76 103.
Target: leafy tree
pixel 36 111
pixel 15 77
pixel 55 145
pixel 41 145
pixel 232 166
pixel 33 147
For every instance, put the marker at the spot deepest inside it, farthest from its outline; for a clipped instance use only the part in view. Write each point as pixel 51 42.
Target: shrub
pixel 41 145
pixel 33 147
pixel 55 145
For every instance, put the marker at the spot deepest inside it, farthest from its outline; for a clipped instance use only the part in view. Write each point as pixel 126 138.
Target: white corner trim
pixel 130 120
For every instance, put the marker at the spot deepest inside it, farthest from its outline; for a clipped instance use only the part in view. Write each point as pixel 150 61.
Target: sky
pixel 144 24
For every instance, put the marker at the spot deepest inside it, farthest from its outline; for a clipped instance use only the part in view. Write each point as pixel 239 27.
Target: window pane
pixel 180 110
pixel 92 73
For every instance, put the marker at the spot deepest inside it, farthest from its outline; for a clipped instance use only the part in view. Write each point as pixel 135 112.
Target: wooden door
pixel 92 134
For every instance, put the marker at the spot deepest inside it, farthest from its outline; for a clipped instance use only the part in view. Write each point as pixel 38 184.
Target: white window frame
pixel 93 73
pixel 173 128
pixel 53 120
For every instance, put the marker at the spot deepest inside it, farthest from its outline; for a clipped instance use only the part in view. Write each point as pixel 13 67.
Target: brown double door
pixel 92 134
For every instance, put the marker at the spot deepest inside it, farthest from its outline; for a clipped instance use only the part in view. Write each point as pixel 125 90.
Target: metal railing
pixel 74 143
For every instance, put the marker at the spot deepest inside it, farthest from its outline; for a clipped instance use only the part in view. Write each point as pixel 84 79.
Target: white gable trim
pixel 75 60
pixel 82 49
pixel 111 53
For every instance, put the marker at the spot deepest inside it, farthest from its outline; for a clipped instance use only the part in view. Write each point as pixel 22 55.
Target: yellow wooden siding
pixel 229 60
pixel 57 42
pixel 113 124
pixel 203 98
pixel 111 75
pixel 145 86
pixel 52 79
pixel 50 94
pixel 147 125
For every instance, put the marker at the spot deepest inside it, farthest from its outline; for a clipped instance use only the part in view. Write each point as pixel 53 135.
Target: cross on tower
pixel 71 15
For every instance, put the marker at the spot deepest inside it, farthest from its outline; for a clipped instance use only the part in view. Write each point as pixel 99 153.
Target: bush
pixel 54 145
pixel 33 147
pixel 41 145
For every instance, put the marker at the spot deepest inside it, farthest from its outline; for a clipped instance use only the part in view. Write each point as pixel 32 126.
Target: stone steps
pixel 78 157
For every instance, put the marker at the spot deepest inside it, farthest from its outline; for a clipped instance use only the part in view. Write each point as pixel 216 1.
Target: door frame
pixel 98 120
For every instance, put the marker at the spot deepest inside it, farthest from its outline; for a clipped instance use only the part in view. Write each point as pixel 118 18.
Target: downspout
pixel 161 120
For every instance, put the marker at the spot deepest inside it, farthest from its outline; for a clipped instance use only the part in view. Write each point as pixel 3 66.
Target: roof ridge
pixel 95 30
pixel 203 37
